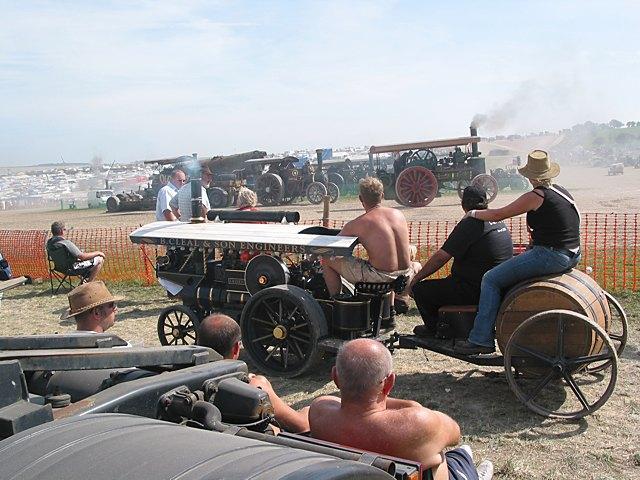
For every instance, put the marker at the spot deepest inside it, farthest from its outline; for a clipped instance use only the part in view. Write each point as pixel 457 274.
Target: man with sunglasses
pixel 93 307
pixel 166 193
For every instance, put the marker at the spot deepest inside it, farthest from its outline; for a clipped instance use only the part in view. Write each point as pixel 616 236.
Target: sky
pixel 135 80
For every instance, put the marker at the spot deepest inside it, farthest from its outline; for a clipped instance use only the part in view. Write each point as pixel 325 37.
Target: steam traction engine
pixel 419 174
pixel 282 182
pixel 268 276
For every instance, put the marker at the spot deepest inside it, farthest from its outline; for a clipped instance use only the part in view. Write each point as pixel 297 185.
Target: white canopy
pixel 246 236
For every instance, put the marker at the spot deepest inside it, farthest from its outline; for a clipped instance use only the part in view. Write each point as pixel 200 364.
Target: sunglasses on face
pixel 111 305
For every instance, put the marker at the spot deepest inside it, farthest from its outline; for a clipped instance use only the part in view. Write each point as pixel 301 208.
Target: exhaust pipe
pixel 474 146
pixel 196 193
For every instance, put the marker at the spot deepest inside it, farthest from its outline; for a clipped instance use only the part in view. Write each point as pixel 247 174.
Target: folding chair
pixel 61 270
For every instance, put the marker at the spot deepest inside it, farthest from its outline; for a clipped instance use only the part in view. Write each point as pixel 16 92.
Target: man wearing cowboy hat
pixel 554 222
pixel 181 203
pixel 93 307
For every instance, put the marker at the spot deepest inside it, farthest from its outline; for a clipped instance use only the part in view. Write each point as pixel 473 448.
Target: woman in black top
pixel 554 223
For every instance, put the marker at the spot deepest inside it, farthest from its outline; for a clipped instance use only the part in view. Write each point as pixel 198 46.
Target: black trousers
pixel 430 295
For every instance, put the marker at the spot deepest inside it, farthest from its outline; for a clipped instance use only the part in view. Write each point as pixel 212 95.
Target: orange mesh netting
pixel 609 246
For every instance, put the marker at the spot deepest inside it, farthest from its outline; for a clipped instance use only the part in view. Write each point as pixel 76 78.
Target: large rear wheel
pixel 416 187
pixel 281 327
pixel 269 189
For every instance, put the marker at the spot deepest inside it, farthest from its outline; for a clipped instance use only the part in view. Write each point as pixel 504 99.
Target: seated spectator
pixel 247 200
pixel 476 247
pixel 90 261
pixel 181 202
pixel 367 418
pixel 93 307
pixel 222 333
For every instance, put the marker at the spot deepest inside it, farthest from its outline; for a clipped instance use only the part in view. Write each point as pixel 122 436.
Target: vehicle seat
pixel 382 313
pixel 455 321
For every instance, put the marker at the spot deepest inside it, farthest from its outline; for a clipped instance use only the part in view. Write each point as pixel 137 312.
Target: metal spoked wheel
pixel 218 197
pixel 336 178
pixel 617 330
pixel 269 189
pixel 333 191
pixel 316 192
pixel 178 325
pixel 489 184
pixel 281 326
pixel 424 157
pixel 553 378
pixel 416 187
pixel 462 184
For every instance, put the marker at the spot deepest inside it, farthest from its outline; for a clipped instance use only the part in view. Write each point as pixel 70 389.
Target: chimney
pixel 196 193
pixel 474 146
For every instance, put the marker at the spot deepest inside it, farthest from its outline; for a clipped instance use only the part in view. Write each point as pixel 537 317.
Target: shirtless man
pixel 383 232
pixel 366 418
pixel 222 333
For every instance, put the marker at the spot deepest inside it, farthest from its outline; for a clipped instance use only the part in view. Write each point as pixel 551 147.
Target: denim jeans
pixel 533 263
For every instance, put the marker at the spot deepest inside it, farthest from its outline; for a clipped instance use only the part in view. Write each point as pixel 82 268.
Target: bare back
pixel 383 232
pixel 411 432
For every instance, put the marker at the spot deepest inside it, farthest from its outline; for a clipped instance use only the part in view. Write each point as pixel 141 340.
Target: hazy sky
pixel 136 80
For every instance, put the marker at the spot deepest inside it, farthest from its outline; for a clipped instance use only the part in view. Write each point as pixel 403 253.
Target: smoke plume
pixel 499 117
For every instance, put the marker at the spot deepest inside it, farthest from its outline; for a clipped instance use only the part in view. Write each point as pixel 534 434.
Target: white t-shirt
pixel 182 201
pixel 165 194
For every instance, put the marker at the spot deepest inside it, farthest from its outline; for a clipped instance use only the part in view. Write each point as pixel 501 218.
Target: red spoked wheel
pixel 416 187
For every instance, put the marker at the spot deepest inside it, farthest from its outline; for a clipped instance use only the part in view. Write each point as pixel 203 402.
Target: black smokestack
pixel 474 146
pixel 196 192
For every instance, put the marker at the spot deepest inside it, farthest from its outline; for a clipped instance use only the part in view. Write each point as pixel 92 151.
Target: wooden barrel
pixel 573 290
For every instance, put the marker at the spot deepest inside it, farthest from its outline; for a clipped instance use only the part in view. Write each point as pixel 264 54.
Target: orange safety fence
pixel 125 261
pixel 609 247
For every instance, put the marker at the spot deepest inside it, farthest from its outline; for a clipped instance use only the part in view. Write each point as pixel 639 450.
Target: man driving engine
pixel 383 232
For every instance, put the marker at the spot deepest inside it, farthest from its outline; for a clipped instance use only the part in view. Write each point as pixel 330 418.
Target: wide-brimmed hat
pixel 87 296
pixel 539 167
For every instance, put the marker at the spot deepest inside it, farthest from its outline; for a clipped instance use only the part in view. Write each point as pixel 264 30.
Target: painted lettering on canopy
pixel 233 245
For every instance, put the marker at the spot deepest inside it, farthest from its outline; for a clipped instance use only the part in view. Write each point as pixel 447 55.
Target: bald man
pixel 367 418
pixel 222 333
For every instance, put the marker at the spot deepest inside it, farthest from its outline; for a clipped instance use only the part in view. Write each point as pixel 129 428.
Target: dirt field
pixel 521 444
pixel 592 188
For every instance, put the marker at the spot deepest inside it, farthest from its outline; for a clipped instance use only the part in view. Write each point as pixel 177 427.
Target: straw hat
pixel 87 296
pixel 539 167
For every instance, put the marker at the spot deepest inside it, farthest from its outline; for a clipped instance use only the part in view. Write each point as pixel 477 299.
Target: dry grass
pixel 522 445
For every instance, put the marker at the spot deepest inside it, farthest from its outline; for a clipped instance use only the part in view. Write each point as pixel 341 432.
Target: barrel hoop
pixel 573 290
pixel 596 294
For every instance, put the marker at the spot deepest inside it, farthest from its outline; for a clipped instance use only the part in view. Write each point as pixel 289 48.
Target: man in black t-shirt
pixel 476 247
